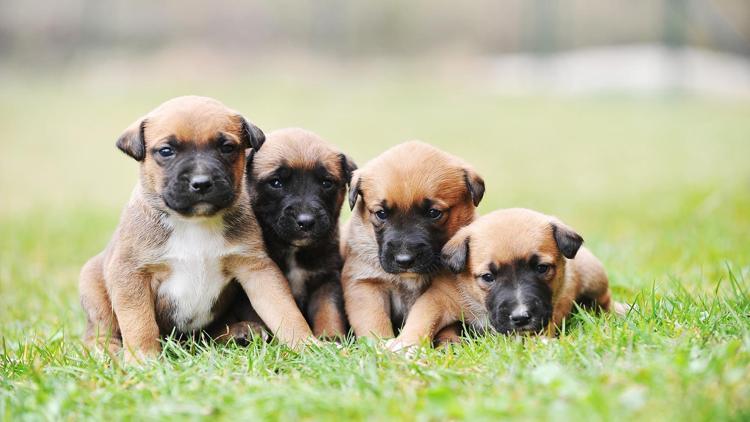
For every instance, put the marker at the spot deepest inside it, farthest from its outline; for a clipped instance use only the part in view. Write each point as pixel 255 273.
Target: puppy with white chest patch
pixel 516 271
pixel 188 242
pixel 414 197
pixel 297 184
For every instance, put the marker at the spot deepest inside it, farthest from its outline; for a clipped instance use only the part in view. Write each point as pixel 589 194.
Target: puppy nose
pixel 305 221
pixel 200 183
pixel 404 260
pixel 520 318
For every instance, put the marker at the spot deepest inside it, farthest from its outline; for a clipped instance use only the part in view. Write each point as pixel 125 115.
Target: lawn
pixel 659 188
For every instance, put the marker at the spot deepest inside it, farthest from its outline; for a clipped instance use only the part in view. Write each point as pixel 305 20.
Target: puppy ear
pixel 354 190
pixel 475 185
pixel 251 135
pixel 455 254
pixel 568 241
pixel 249 154
pixel 347 167
pixel 132 141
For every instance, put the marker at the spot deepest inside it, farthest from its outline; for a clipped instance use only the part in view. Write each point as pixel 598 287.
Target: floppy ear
pixel 347 167
pixel 132 141
pixel 475 185
pixel 249 154
pixel 354 191
pixel 568 241
pixel 251 135
pixel 455 254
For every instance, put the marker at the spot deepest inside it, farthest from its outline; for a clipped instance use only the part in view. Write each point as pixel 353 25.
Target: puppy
pixel 414 198
pixel 187 241
pixel 297 184
pixel 517 271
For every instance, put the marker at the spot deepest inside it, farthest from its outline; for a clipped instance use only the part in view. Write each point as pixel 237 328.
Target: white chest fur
pixel 194 253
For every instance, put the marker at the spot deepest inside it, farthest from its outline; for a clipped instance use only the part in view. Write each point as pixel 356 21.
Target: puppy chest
pixel 403 297
pixel 299 277
pixel 194 254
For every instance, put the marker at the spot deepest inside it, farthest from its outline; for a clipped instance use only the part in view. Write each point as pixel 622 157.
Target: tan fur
pixel 327 320
pixel 404 175
pixel 501 237
pixel 118 286
pixel 298 148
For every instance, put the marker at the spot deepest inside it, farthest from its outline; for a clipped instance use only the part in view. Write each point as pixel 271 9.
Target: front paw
pixel 307 342
pixel 109 346
pixel 243 332
pixel 140 356
pixel 398 345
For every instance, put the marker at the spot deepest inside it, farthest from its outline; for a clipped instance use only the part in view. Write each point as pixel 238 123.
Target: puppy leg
pixel 428 316
pixel 561 311
pixel 241 332
pixel 101 325
pixel 133 303
pixel 368 308
pixel 450 334
pixel 325 311
pixel 240 323
pixel 595 283
pixel 606 303
pixel 272 299
pixel 563 305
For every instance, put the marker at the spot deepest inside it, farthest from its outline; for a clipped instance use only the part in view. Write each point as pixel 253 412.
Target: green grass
pixel 659 187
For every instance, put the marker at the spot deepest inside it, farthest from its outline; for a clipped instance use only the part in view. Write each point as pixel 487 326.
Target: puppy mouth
pixel 535 326
pixel 528 330
pixel 295 237
pixel 304 241
pixel 204 209
pixel 198 209
pixel 406 263
pixel 413 271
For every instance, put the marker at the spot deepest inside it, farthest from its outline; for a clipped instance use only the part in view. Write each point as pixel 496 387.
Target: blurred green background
pixel 631 123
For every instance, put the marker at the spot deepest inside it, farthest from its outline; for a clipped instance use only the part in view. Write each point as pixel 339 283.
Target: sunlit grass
pixel 660 189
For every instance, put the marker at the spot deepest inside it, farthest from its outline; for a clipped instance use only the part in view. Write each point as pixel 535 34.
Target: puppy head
pixel 191 151
pixel 297 185
pixel 512 263
pixel 415 197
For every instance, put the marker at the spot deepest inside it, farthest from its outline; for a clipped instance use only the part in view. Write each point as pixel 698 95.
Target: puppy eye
pixel 434 214
pixel 327 184
pixel 542 268
pixel 166 151
pixel 228 148
pixel 488 277
pixel 381 214
pixel 276 184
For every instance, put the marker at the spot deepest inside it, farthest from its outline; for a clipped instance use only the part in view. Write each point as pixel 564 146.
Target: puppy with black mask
pixel 187 244
pixel 297 184
pixel 516 271
pixel 406 203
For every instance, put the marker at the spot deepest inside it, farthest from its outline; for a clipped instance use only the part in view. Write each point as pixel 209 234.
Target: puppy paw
pixel 310 341
pixel 104 346
pixel 243 332
pixel 622 309
pixel 139 356
pixel 399 345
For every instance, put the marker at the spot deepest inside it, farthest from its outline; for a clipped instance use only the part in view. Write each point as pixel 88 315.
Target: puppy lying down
pixel 516 271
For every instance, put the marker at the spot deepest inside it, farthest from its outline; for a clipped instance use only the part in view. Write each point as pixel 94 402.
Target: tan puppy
pixel 187 239
pixel 297 184
pixel 414 198
pixel 517 270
